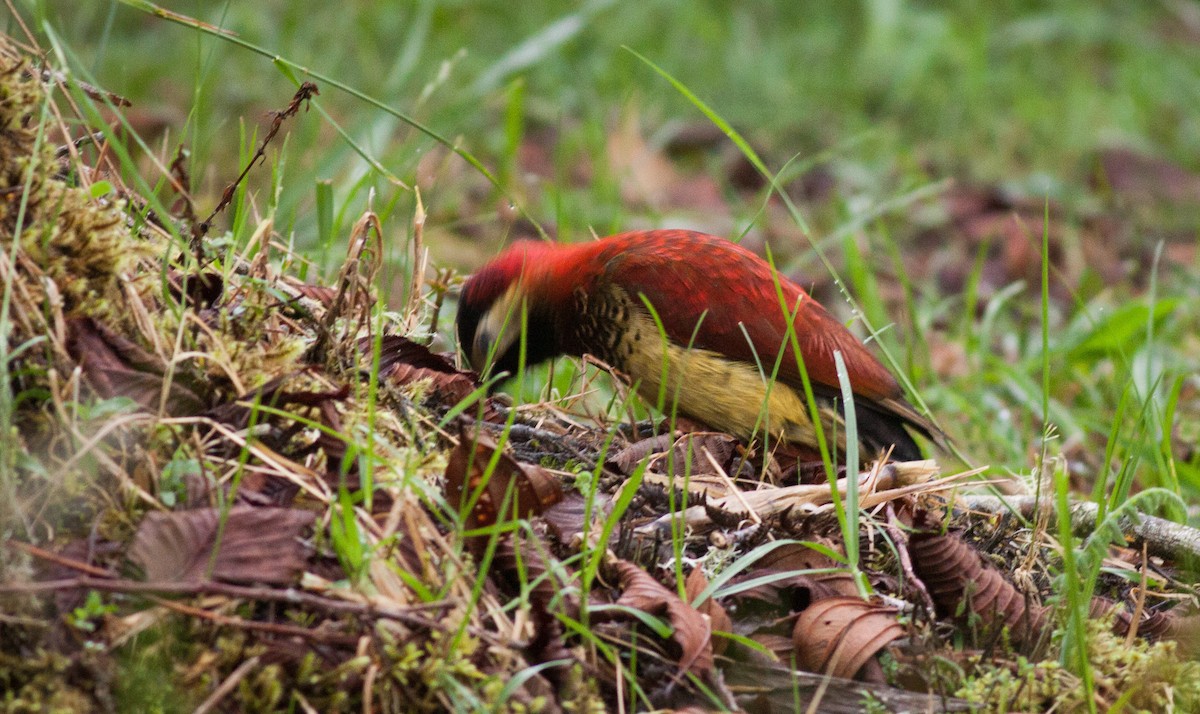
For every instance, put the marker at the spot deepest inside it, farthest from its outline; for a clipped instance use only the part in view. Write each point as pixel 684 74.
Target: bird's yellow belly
pixel 728 395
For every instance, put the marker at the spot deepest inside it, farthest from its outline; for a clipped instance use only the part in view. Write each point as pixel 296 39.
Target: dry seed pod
pixel 954 573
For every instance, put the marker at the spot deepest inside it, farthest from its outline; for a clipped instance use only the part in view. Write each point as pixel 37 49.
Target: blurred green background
pixel 1023 93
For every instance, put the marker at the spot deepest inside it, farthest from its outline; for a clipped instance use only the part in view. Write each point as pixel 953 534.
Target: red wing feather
pixel 688 275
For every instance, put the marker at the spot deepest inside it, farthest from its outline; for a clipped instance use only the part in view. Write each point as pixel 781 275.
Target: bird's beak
pixel 498 331
pixel 481 346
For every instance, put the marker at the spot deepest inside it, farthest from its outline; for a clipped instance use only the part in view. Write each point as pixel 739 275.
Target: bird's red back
pixel 692 278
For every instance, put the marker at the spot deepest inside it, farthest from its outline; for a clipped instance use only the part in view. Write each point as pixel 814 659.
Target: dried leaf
pixel 81 550
pixel 697 452
pixel 237 411
pixel 776 687
pixel 717 616
pixel 397 349
pixel 534 489
pixel 447 388
pixel 116 366
pixel 322 294
pixel 1154 625
pixel 798 556
pixel 779 645
pixel 692 137
pixel 839 635
pixel 627 459
pixel 1185 630
pixel 692 631
pixel 1138 178
pixel 527 564
pixel 403 361
pixel 649 178
pixel 793 592
pixel 199 291
pixel 700 454
pixel 252 545
pixel 566 518
pixel 516 566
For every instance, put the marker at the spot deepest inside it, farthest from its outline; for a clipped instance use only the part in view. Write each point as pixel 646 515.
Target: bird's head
pixel 523 280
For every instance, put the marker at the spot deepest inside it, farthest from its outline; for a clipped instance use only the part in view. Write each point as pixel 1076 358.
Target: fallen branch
pixel 1163 538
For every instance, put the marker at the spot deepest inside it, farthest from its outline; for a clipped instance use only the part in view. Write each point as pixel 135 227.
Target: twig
pixel 358 274
pixel 227 686
pixel 60 559
pixel 181 182
pixel 420 260
pixel 728 482
pixel 22 621
pixel 369 688
pixel 440 289
pixel 96 138
pixel 292 596
pixel 305 93
pixel 892 527
pixel 273 628
pixel 1163 538
pixel 54 76
pixel 1139 608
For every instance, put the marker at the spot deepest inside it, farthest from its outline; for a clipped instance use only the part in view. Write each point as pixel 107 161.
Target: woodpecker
pixel 697 314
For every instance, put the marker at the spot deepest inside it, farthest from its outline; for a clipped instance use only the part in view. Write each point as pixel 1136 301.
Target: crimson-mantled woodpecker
pixel 721 315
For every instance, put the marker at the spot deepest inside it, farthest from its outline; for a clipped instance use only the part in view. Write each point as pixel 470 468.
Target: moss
pixel 20 103
pixel 424 674
pixel 83 246
pixel 148 676
pixel 1141 676
pixel 79 243
pixel 38 683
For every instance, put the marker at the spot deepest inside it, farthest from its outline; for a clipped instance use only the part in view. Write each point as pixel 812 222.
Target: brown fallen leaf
pixel 791 591
pixel 198 291
pixel 717 616
pixel 781 646
pixel 772 688
pixel 323 295
pixel 798 556
pixel 698 454
pixel 568 517
pixel 251 545
pixel 116 366
pixel 701 454
pixel 469 474
pixel 522 563
pixel 1134 177
pixel 841 635
pixel 692 631
pixel 397 349
pixel 1185 631
pixel 626 460
pixel 402 361
pixel 648 178
pixel 238 410
pixel 815 585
